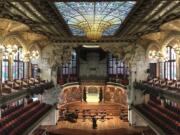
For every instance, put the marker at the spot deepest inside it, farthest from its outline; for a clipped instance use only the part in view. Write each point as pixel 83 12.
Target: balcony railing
pixel 37 89
pixel 164 92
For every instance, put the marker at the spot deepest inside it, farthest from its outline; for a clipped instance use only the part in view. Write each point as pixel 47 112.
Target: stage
pixel 113 126
pixel 110 124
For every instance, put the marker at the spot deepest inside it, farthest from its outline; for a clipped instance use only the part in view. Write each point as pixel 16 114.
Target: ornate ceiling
pixel 103 17
pixel 43 17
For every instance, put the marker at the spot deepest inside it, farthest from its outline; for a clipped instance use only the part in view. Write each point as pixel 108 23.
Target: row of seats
pixel 39 131
pixel 10 110
pixel 167 123
pixel 174 109
pixel 174 123
pixel 30 118
pixel 8 118
pixel 23 120
pixel 67 79
pixel 121 79
pixel 167 112
pixel 16 85
pixel 165 84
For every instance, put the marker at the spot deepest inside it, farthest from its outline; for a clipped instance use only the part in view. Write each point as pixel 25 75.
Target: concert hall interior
pixel 89 67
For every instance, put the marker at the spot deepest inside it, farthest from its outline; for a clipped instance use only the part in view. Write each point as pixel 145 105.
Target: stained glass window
pixel 18 65
pixel 115 66
pixel 5 68
pixel 15 66
pixel 170 64
pixel 26 70
pixel 70 68
pixel 21 70
pixel 21 64
pixel 35 71
pixel 107 16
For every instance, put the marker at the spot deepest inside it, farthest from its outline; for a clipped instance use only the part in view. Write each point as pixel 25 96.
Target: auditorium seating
pixel 173 85
pixel 39 131
pixel 120 79
pixel 20 120
pixel 10 110
pixel 148 132
pixel 16 85
pixel 68 79
pixel 174 109
pixel 124 114
pixel 166 119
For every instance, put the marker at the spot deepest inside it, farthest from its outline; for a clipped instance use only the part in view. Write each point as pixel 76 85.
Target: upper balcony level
pixel 13 90
pixel 165 88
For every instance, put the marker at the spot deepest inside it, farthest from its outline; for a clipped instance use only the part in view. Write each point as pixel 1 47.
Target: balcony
pixel 165 92
pixel 36 89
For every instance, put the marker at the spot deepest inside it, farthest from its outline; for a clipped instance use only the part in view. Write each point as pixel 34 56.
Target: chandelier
pixel 153 54
pixel 177 49
pixel 8 50
pixel 30 55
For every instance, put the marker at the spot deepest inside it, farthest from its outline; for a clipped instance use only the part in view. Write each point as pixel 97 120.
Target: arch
pixel 168 40
pixel 35 46
pixel 140 53
pixel 15 38
pixel 152 47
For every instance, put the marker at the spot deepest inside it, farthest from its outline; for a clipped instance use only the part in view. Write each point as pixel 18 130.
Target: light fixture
pixel 8 50
pixel 153 54
pixel 2 48
pixel 91 46
pixel 30 55
pixel 25 57
pixel 34 55
pixel 11 50
pixel 177 49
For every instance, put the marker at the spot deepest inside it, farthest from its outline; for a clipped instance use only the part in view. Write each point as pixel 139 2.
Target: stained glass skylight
pixel 84 18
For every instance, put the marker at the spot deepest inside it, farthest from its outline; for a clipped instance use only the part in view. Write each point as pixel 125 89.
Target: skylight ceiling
pixel 102 18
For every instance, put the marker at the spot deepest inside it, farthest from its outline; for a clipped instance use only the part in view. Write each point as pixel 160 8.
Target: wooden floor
pixel 114 123
pixel 113 126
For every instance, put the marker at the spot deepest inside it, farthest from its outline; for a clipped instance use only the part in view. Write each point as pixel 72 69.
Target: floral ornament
pixel 116 50
pixel 60 54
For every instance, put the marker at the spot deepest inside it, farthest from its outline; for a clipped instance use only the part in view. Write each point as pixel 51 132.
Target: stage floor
pixel 113 126
pixel 112 108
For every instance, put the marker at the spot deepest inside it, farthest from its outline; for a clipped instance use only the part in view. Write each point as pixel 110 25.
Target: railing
pixel 12 96
pixel 146 88
pixel 38 89
pixel 69 84
pixel 116 84
pixel 107 83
